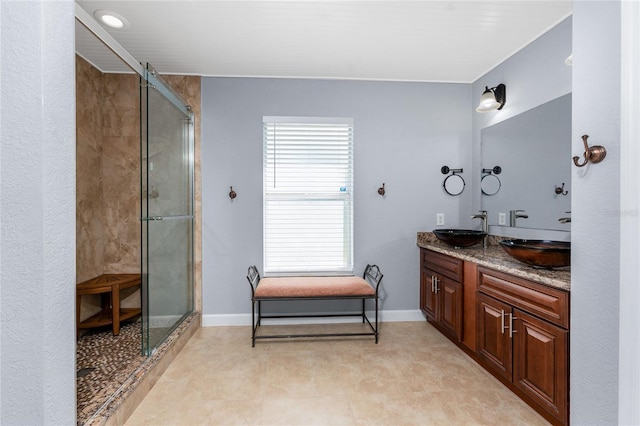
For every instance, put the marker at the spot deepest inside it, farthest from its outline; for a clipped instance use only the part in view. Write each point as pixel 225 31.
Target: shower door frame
pixel 152 81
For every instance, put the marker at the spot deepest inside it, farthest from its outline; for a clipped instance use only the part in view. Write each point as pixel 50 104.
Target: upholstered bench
pixel 314 288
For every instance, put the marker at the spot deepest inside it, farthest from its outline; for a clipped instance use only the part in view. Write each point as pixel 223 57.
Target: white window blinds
pixel 308 195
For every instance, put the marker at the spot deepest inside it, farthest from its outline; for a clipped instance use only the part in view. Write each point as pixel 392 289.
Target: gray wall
pixel 404 133
pixel 595 259
pixel 37 214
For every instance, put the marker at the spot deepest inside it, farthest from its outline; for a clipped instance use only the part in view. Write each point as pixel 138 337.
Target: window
pixel 308 195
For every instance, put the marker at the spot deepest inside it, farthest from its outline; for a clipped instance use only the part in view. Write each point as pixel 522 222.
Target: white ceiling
pixel 436 41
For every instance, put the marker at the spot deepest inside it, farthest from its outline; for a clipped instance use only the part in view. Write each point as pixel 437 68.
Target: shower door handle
pixel 147 219
pixel 152 218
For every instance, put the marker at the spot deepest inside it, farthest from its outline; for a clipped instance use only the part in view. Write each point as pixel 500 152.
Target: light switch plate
pixel 502 218
pixel 439 219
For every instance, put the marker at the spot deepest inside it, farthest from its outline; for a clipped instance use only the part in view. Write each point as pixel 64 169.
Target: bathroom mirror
pixel 534 152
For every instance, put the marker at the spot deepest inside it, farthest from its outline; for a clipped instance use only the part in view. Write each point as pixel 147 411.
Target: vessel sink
pixel 539 253
pixel 459 237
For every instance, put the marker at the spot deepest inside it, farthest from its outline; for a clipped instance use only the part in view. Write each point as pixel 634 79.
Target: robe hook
pixel 594 154
pixel 560 190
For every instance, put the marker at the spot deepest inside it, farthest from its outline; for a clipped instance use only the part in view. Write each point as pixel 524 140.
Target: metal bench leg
pixel 253 323
pixel 376 319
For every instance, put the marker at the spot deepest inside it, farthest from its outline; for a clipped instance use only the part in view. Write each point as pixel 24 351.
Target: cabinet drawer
pixel 544 302
pixel 443 264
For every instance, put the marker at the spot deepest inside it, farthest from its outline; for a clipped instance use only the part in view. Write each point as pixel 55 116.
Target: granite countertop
pixel 494 257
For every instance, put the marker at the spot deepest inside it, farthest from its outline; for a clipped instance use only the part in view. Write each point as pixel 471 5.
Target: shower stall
pixel 166 213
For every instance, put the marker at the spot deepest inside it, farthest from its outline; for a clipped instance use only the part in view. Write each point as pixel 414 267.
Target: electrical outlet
pixel 502 218
pixel 440 219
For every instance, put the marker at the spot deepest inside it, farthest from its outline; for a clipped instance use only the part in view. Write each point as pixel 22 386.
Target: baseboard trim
pixel 213 320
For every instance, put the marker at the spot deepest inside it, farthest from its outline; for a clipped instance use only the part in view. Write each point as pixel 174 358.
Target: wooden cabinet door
pixel 540 362
pixel 450 312
pixel 430 297
pixel 493 343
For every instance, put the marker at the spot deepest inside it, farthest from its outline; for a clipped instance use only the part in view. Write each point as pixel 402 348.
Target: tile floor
pixel 413 376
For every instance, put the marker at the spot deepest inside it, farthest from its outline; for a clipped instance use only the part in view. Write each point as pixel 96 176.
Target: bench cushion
pixel 313 287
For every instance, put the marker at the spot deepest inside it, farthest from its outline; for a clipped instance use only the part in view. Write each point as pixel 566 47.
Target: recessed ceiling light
pixel 111 19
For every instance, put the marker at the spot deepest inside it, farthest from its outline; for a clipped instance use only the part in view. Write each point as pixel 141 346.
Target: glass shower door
pixel 167 210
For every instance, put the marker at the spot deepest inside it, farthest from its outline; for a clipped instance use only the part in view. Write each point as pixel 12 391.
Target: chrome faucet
pixel 515 214
pixel 485 225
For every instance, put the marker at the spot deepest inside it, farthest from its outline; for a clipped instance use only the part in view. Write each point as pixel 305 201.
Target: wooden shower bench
pixel 108 286
pixel 313 288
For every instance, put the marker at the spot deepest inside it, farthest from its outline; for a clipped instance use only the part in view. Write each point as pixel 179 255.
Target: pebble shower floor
pixel 103 363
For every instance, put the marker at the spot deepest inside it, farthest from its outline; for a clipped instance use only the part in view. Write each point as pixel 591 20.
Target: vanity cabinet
pixel 441 292
pixel 523 338
pixel 516 328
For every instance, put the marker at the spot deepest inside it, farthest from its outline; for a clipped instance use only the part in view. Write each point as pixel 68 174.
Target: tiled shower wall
pixel 108 175
pixel 89 203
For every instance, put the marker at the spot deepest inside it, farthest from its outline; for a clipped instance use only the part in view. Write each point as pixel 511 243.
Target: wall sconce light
pixel 493 99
